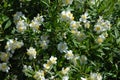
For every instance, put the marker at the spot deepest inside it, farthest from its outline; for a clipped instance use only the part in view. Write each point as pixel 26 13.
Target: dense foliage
pixel 59 39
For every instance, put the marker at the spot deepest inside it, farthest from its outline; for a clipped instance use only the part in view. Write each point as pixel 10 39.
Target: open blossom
pixel 46 66
pixel 87 24
pixel 50 62
pixel 31 52
pixel 39 75
pixel 98 28
pixel 39 19
pixel 4 67
pixel 67 2
pixel 18 16
pixel 95 76
pixel 67 16
pixel 102 25
pixel 21 26
pixel 36 22
pixel 65 77
pixel 74 25
pixel 101 38
pixel 4 56
pixel 62 47
pixel 12 44
pixel 65 70
pixel 20 22
pixel 84 17
pixel 69 55
pixel 53 59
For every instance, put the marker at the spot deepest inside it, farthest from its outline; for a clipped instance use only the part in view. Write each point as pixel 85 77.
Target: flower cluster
pixel 32 53
pixel 36 22
pixel 12 44
pixel 93 76
pixel 101 27
pixel 21 22
pixel 64 42
pixel 67 16
pixel 4 67
pixel 50 62
pixel 39 75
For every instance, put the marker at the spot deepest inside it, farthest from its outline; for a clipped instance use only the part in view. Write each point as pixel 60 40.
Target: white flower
pixel 12 44
pixel 39 75
pixel 47 66
pixel 27 69
pixel 34 25
pixel 106 25
pixel 84 17
pixel 67 2
pixel 87 24
pixel 65 78
pixel 21 26
pixel 102 25
pixel 36 22
pixel 65 70
pixel 4 56
pixel 9 45
pixel 50 62
pixel 39 19
pixel 67 16
pixel 18 16
pixel 62 47
pixel 52 77
pixel 74 31
pixel 83 78
pixel 74 25
pixel 69 55
pixel 31 52
pixel 98 28
pixel 105 34
pixel 53 59
pixel 95 76
pixel 18 44
pixel 101 38
pixel 4 67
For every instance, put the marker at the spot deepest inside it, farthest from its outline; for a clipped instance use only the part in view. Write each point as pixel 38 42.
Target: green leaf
pixel 116 32
pixel 4 18
pixel 118 40
pixel 7 25
pixel 45 2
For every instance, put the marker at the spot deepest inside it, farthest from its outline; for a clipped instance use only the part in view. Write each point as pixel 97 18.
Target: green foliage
pixel 43 29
